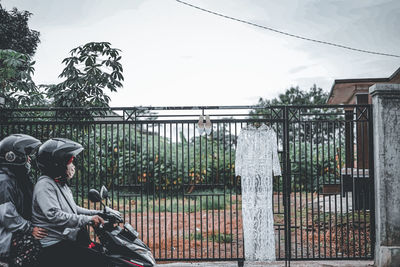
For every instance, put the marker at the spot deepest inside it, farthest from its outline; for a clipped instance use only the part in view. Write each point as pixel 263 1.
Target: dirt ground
pixel 213 234
pixel 184 235
pixel 274 264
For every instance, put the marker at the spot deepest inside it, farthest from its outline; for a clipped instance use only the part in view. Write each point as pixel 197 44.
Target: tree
pixel 296 96
pixel 17 44
pixel 308 130
pixel 90 70
pixel 16 84
pixel 293 96
pixel 15 32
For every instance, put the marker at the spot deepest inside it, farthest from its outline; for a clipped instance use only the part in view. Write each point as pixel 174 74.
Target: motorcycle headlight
pixel 141 251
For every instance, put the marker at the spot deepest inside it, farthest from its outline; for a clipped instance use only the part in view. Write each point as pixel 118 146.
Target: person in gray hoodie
pixel 18 246
pixel 55 210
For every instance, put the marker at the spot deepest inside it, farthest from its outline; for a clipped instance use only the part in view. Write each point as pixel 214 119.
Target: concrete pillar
pixel 386 127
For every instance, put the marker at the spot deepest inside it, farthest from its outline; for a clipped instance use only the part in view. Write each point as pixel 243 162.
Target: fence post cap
pixel 385 89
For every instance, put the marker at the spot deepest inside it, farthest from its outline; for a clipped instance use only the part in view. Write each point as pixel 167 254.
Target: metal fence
pixel 177 186
pixel 330 178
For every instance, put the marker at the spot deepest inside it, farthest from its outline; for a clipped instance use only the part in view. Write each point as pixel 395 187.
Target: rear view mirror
pixel 94 195
pixel 103 192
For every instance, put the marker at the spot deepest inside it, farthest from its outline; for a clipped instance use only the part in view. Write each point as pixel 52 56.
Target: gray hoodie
pixel 51 211
pixel 11 207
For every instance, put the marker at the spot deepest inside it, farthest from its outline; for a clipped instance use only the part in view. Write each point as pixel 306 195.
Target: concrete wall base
pixel 388 257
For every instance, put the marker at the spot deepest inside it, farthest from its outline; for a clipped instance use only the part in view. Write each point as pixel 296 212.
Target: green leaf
pixel 90 70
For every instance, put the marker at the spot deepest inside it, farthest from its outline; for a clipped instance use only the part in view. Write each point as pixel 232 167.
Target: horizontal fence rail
pixel 177 186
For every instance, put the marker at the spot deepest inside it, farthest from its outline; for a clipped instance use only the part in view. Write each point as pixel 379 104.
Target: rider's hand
pixel 39 233
pixel 115 213
pixel 96 219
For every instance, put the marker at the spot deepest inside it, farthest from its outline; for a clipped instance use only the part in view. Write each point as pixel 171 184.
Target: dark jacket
pixel 15 208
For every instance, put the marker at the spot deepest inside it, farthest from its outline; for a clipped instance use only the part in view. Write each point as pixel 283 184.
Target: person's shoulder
pixel 44 182
pixel 7 184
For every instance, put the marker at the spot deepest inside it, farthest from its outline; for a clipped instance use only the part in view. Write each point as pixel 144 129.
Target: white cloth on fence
pixel 257 162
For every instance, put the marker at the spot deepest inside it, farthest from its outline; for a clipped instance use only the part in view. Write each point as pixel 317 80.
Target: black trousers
pixel 68 253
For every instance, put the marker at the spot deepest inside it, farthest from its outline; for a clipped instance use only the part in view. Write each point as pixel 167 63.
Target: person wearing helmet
pixel 55 210
pixel 18 245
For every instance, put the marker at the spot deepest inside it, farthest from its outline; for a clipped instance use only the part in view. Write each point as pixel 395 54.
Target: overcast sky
pixel 175 55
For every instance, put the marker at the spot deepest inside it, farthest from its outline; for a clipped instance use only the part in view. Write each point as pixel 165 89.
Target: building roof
pixel 343 90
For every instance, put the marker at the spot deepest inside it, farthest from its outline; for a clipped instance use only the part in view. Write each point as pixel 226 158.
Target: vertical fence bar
pixel 301 181
pixel 200 195
pixel 224 179
pixel 182 185
pixel 195 198
pixel 341 179
pixel 230 190
pixel 170 188
pixel 176 182
pixel 136 173
pixel 335 170
pixel 330 183
pixel 292 134
pixel 318 155
pixel 184 182
pixel 237 200
pixel 213 175
pixel 118 178
pixel 207 197
pixel 153 176
pixel 189 176
pixel 112 166
pixel 218 198
pixel 323 184
pixel 165 189
pixel 80 139
pixel 353 193
pixel 88 127
pixel 287 183
pixel 312 127
pixel 364 188
pixel 371 175
pixel 305 130
pixel 146 175
pixel 95 175
pixel 159 175
pixel 123 180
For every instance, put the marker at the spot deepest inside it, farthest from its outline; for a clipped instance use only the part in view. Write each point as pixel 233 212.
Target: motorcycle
pixel 119 246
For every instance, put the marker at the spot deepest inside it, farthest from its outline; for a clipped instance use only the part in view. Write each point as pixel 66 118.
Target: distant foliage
pixel 16 84
pixel 158 163
pixel 133 158
pixel 15 32
pixel 296 96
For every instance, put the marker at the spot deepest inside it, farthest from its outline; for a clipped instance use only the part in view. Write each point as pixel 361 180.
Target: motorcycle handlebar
pixel 92 223
pixel 111 217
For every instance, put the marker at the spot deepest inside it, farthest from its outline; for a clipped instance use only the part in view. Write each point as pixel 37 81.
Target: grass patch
pixel 196 236
pixel 351 216
pixel 221 238
pixel 175 204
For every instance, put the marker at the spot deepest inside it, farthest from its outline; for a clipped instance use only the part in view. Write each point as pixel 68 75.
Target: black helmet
pixel 54 155
pixel 15 149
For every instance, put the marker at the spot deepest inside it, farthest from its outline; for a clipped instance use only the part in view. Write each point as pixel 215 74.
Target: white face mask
pixel 70 172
